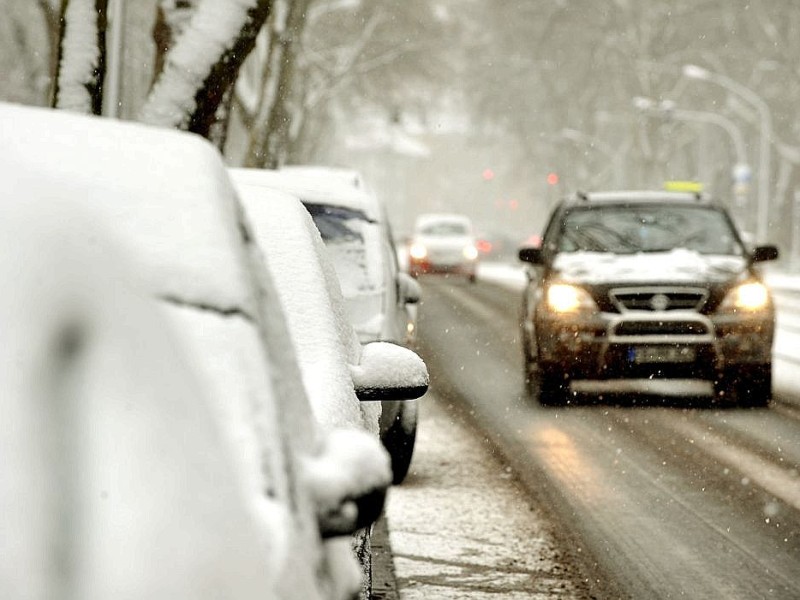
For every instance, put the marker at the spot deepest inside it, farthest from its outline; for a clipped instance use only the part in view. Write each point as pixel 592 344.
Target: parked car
pixel 330 356
pixel 379 298
pixel 443 243
pixel 642 285
pixel 162 446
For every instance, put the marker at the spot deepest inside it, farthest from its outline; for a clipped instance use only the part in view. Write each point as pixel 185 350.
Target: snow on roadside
pixel 461 527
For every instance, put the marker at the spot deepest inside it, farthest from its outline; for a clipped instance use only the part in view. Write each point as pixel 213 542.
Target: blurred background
pixel 495 109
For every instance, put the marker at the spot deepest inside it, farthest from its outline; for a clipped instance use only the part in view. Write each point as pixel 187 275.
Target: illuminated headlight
pixel 750 296
pixel 470 252
pixel 565 298
pixel 418 251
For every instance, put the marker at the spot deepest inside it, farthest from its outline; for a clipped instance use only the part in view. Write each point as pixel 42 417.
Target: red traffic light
pixel 552 179
pixel 487 174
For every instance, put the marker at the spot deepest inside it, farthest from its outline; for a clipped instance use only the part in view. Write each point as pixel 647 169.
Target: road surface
pixel 663 498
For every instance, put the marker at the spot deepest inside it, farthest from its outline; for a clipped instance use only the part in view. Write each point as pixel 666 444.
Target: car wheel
pixel 552 387
pixel 528 364
pixel 399 442
pixel 754 386
pixel 749 387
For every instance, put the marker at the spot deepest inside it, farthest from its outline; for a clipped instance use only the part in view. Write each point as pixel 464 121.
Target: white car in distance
pixel 444 244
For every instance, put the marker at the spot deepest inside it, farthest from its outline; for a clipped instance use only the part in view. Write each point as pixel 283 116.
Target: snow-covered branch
pixel 203 63
pixel 81 63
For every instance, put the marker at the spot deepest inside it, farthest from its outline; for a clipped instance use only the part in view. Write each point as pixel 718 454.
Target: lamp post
pixel 668 110
pixel 701 74
pixel 115 34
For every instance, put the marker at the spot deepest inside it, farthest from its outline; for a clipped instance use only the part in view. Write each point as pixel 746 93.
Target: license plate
pixel 663 354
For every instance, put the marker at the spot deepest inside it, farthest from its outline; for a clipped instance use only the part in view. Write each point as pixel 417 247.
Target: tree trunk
pixel 202 64
pixel 81 56
pixel 53 27
pixel 270 148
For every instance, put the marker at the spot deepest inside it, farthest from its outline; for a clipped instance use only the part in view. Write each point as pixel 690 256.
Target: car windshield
pixel 629 229
pixel 353 242
pixel 338 224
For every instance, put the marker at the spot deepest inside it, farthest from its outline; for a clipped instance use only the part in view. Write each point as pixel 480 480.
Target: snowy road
pixel 662 502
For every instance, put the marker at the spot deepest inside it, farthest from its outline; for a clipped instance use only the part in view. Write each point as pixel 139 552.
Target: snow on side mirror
pixel 348 480
pixel 389 372
pixel 410 292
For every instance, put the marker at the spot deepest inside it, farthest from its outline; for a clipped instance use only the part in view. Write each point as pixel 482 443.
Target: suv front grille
pixel 637 328
pixel 658 299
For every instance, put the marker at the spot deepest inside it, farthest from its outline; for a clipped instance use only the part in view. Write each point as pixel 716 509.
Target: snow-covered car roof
pixel 424 220
pixel 347 176
pixel 158 190
pixel 316 185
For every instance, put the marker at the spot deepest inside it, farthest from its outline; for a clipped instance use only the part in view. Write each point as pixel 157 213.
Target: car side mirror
pixel 389 372
pixel 408 289
pixel 764 253
pixel 531 255
pixel 348 480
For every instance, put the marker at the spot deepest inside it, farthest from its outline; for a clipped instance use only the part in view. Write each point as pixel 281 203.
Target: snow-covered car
pixel 647 285
pixel 337 370
pixel 379 298
pixel 162 446
pixel 443 243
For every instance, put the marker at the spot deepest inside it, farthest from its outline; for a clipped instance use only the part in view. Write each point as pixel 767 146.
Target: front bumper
pixel 420 267
pixel 666 344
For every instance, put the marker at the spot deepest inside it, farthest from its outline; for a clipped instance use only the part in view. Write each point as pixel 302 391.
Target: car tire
pixel 552 388
pixel 754 386
pixel 399 441
pixel 748 387
pixel 528 366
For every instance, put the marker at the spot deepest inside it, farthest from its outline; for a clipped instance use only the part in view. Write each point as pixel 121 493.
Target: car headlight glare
pixel 470 252
pixel 565 298
pixel 418 251
pixel 749 296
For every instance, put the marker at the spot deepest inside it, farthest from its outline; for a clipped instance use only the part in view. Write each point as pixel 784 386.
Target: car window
pixel 658 228
pixel 337 224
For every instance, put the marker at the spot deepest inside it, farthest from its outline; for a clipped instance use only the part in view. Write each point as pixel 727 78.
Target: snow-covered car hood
pixel 676 266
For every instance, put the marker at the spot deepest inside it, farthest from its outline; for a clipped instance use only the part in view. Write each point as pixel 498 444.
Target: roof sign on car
pixel 683 186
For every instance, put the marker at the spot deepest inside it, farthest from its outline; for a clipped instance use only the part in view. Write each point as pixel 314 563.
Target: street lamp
pixel 699 73
pixel 669 110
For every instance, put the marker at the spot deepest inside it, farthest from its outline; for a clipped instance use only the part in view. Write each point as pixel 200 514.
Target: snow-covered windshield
pixel 629 229
pixel 337 224
pixel 354 246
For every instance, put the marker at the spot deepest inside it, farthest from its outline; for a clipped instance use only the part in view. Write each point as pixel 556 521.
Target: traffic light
pixel 552 178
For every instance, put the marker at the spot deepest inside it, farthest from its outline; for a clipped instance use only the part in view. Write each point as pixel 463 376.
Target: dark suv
pixel 644 285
